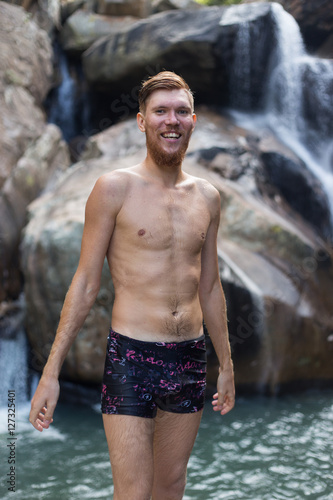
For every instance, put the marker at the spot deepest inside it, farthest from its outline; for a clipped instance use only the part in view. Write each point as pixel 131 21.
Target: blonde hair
pixel 167 80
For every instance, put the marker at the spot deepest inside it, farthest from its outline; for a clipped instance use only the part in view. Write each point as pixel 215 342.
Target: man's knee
pixel 170 487
pixel 138 490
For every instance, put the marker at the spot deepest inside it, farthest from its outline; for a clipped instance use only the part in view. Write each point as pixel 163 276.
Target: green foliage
pixel 218 2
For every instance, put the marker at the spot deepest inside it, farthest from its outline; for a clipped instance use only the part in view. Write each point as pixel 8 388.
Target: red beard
pixel 163 158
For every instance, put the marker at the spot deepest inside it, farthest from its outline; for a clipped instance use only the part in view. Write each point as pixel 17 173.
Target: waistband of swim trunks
pixel 153 345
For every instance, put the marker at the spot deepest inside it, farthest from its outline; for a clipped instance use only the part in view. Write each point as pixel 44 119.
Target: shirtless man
pixel 157 226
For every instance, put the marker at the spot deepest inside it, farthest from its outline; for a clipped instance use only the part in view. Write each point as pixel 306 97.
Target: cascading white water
pixel 14 368
pixel 284 92
pixel 297 101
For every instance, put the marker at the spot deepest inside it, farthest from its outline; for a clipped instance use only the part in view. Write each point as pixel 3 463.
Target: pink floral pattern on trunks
pixel 140 377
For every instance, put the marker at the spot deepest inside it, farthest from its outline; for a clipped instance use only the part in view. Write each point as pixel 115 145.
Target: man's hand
pixel 224 399
pixel 43 403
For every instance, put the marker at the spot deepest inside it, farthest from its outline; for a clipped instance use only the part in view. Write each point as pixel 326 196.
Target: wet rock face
pixel 197 43
pixel 31 151
pixel 300 188
pixel 314 18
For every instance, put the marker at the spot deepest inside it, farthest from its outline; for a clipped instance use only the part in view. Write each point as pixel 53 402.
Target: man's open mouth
pixel 171 135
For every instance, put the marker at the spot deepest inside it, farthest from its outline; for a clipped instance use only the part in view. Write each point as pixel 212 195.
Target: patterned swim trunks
pixel 140 377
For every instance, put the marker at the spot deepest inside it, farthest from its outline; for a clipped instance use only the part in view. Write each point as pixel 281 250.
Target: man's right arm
pixel 101 210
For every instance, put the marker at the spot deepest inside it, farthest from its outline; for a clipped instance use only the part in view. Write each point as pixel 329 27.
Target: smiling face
pixel 168 122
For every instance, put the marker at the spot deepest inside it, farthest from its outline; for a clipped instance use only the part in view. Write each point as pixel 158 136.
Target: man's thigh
pixel 130 443
pixel 174 438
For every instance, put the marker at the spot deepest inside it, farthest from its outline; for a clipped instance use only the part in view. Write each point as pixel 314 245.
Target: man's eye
pixel 183 112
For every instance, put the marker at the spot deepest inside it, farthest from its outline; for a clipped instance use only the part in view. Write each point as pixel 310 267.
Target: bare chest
pixel 169 220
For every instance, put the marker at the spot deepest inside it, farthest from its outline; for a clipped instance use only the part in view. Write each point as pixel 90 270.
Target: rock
pixel 26 53
pixel 318 96
pixel 314 18
pixel 196 43
pixel 21 123
pixel 37 170
pixel 71 6
pixel 46 14
pixel 30 150
pixel 326 49
pixel 129 140
pixel 300 188
pixel 162 5
pixel 82 29
pixel 25 78
pixel 276 271
pixel 136 8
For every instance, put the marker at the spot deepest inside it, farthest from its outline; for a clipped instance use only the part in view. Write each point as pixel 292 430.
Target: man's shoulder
pixel 110 189
pixel 115 182
pixel 206 188
pixel 118 177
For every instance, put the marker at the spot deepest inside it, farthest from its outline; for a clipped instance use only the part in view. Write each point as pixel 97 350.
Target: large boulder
pixel 83 28
pixel 300 188
pixel 197 43
pixel 45 13
pixel 25 79
pixel 31 151
pixel 276 271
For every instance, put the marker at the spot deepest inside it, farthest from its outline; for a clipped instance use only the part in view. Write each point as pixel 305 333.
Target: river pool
pixel 265 449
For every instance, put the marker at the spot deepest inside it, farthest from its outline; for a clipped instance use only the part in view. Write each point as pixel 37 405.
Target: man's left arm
pixel 214 311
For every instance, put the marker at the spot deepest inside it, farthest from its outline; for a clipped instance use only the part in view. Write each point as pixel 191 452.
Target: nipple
pixel 141 232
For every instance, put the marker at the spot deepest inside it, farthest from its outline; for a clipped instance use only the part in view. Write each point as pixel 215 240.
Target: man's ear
pixel 141 121
pixel 194 120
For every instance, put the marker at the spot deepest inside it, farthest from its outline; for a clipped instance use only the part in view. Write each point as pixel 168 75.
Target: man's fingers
pixel 41 418
pixel 217 405
pixel 222 403
pixel 43 403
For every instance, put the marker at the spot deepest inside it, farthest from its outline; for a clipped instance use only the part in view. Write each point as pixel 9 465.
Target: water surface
pixel 264 449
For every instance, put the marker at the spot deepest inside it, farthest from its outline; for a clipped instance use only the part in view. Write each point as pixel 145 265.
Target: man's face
pixel 168 122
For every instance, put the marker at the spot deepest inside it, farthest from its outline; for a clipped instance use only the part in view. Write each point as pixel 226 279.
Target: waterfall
pixel 297 100
pixel 240 95
pixel 14 367
pixel 15 374
pixel 67 104
pixel 284 90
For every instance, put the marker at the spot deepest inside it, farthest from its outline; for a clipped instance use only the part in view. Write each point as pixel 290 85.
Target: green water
pixel 264 449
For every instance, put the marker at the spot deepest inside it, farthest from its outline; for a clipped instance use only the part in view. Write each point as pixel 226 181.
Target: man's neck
pixel 169 176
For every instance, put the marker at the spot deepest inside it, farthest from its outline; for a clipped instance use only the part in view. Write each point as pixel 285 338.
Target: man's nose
pixel 172 118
